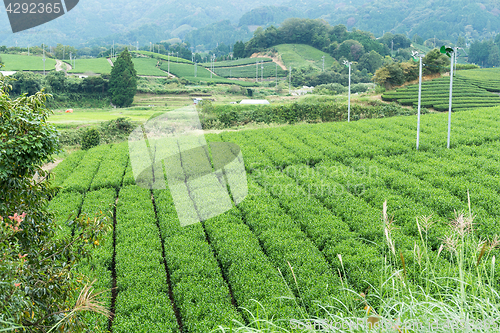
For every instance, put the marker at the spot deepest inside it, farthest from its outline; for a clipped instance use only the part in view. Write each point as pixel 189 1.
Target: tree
pixel 435 62
pixel 57 81
pixel 389 75
pixel 37 269
pixel 371 61
pixel 123 80
pixel 350 49
pixel 239 50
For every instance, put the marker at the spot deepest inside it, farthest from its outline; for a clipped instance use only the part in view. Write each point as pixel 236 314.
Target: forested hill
pixel 428 19
pixel 129 21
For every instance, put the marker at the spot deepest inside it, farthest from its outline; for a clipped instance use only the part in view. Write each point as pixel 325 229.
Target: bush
pixel 330 88
pixel 116 130
pixel 90 138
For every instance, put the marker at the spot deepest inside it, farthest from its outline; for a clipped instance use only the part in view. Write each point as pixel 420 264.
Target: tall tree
pixel 123 80
pixel 239 50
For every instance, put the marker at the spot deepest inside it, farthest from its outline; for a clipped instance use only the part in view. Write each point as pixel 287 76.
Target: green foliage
pixel 123 81
pixel 330 88
pixel 236 115
pixel 37 269
pixel 435 62
pixel 239 49
pixel 116 130
pixel 90 138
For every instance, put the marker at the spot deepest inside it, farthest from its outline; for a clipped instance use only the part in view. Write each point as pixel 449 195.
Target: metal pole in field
pixel 262 71
pixel 415 54
pixel 43 45
pixel 256 70
pixel 323 57
pixel 349 97
pixel 451 87
pixel 348 64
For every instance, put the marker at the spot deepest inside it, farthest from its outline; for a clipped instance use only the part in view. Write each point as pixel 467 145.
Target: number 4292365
pixel 33 8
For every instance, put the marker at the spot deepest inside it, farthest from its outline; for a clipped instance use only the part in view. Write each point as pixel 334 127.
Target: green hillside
pixel 19 62
pixel 98 66
pixel 303 56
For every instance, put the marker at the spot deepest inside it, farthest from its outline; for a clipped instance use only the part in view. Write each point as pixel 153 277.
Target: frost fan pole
pixel 348 64
pixel 450 52
pixel 414 56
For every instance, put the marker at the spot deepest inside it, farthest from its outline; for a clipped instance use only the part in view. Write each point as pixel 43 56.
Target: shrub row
pixel 248 270
pixel 98 267
pixel 65 205
pixel 226 116
pixel 142 304
pixel 66 167
pixel 328 232
pixel 444 107
pixel 199 290
pixel 484 201
pixel 286 245
pixel 252 157
pixel 112 167
pixel 83 174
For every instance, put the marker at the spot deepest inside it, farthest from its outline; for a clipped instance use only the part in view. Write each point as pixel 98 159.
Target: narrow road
pixel 110 62
pixel 275 59
pixel 60 64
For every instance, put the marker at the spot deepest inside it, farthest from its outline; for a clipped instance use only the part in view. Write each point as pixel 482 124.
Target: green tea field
pixel 466 94
pixel 310 225
pixel 16 62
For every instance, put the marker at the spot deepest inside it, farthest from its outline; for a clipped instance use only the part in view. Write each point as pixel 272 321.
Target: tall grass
pixel 451 289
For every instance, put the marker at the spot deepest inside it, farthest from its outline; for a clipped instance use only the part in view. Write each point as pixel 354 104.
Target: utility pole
pixel 137 47
pixel 43 45
pixel 420 56
pixel 348 64
pixel 290 80
pixel 256 70
pixel 323 57
pixel 149 46
pixel 453 56
pixel 262 71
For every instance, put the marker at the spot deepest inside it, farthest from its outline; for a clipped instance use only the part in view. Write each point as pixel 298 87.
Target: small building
pixel 254 101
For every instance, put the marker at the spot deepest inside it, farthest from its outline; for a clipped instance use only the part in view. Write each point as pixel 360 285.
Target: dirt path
pixel 59 65
pixel 110 62
pixel 275 59
pixel 50 166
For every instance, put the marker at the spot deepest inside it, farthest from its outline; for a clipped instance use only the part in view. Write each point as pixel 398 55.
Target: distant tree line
pixel 485 53
pixel 335 40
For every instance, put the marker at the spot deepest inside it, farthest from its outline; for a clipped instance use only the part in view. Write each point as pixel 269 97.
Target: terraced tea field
pixel 314 191
pixel 249 71
pixel 466 94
